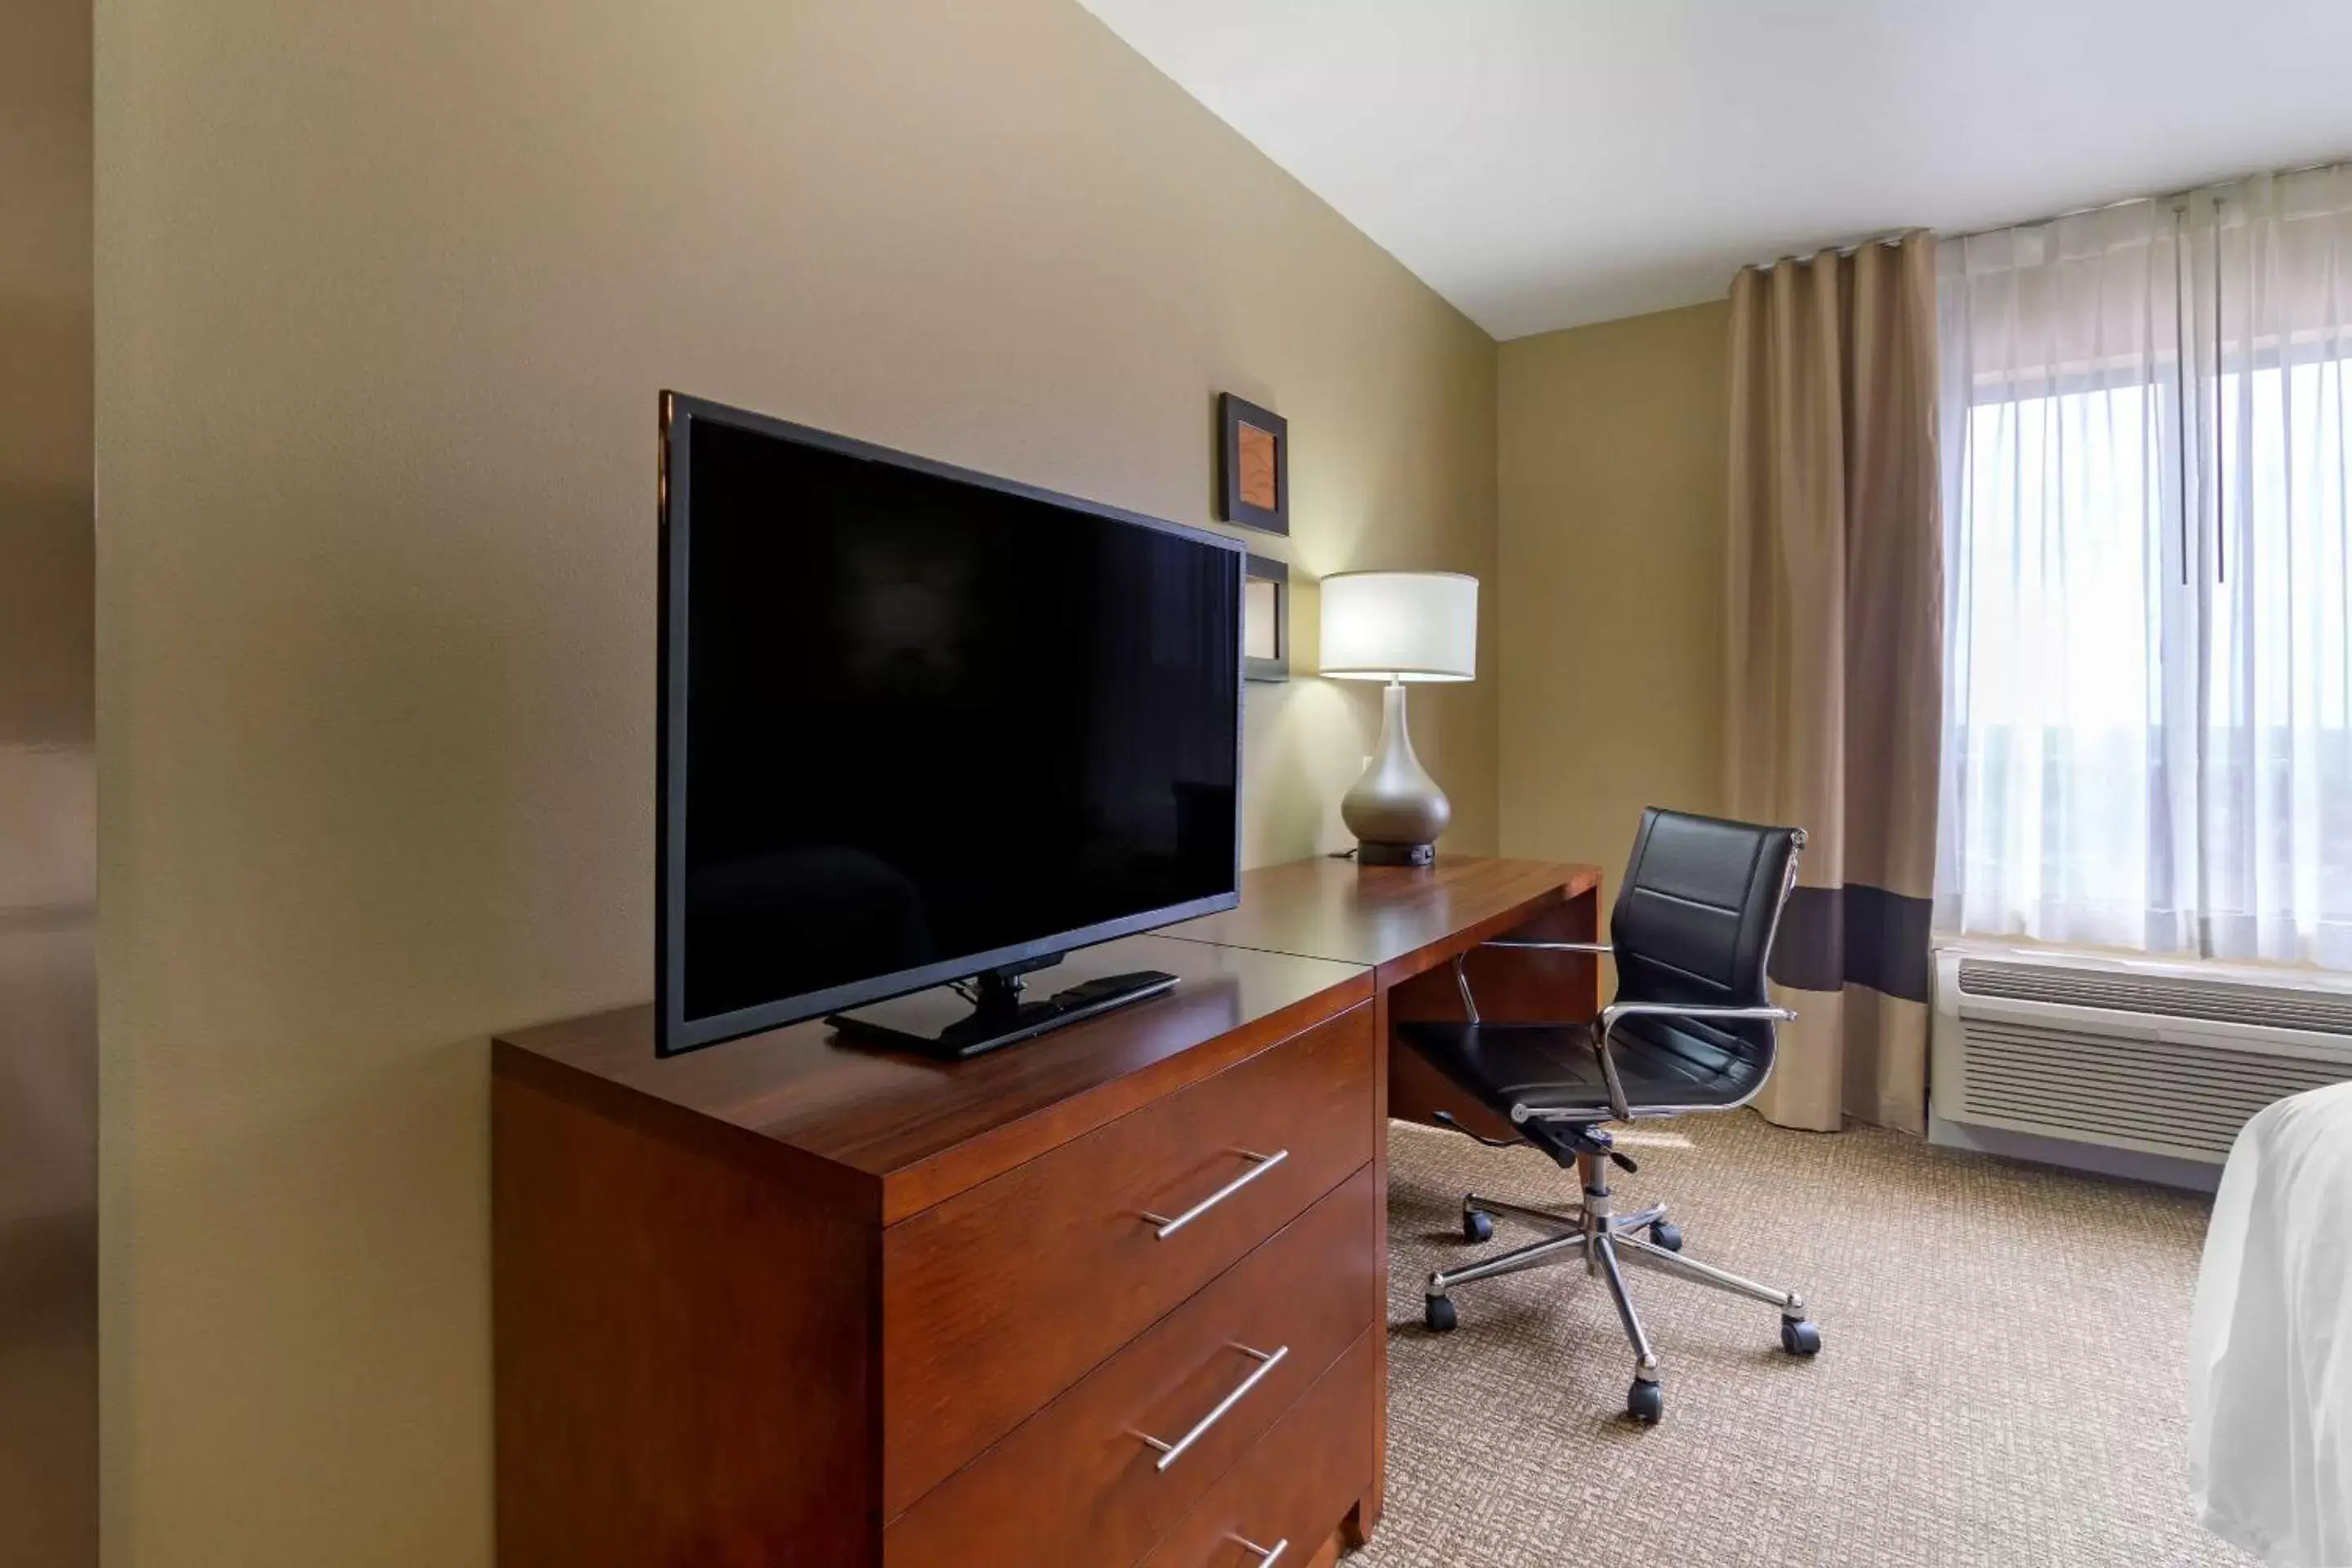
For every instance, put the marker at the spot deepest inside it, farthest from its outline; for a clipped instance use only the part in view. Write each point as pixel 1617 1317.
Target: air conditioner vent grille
pixel 2170 996
pixel 2189 1101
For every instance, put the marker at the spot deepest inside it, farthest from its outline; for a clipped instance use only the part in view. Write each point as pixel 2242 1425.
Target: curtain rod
pixel 2175 198
pixel 1846 248
pixel 2169 198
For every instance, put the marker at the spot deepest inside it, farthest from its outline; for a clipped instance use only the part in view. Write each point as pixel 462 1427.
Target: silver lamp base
pixel 1396 811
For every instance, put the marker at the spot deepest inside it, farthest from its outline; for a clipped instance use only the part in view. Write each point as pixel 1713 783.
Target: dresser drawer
pixel 1295 1487
pixel 997 1300
pixel 1080 1481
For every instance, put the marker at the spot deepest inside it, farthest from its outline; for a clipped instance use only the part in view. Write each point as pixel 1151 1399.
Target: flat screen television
pixel 921 728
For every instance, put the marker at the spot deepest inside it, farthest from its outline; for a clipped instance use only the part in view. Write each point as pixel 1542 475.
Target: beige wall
pixel 385 294
pixel 1613 460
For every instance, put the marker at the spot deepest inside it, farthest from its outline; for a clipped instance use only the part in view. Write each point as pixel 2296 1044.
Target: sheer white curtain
pixel 2148 473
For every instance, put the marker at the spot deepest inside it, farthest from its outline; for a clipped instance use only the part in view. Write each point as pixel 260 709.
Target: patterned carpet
pixel 2001 1382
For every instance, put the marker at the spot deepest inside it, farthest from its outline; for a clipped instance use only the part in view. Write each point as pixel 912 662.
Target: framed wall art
pixel 1253 466
pixel 1265 620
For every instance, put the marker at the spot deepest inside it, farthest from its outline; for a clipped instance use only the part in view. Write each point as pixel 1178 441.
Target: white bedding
pixel 2270 1345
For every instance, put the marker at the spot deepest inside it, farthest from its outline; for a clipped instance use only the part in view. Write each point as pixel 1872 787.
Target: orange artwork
pixel 1257 475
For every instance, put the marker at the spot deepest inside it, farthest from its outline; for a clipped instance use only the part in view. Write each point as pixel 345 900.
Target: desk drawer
pixel 1295 1488
pixel 997 1300
pixel 1078 1483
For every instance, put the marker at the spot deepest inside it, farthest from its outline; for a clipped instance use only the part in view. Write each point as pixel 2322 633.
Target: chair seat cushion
pixel 1553 1066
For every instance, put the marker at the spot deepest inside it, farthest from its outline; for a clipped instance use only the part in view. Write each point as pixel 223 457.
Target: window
pixel 2147 453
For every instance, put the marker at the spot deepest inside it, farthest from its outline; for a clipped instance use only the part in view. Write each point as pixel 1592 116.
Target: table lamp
pixel 1398 626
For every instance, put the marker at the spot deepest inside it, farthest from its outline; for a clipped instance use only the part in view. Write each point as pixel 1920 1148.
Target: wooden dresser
pixel 1110 1297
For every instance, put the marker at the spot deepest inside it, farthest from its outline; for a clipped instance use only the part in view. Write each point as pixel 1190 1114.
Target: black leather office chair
pixel 1690 1029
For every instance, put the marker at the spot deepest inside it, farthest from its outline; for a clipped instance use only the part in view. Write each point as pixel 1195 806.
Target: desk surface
pixel 892 1133
pixel 1395 919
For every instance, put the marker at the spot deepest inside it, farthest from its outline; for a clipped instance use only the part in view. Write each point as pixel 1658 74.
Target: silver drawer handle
pixel 1170 1452
pixel 1265 1555
pixel 1266 1162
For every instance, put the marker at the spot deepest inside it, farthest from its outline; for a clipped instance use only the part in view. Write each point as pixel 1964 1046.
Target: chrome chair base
pixel 1606 1242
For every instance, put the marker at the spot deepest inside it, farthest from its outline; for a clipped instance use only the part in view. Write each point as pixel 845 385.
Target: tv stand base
pixel 938 1022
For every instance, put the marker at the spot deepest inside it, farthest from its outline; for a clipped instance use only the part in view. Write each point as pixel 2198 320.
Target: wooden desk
pixel 792 1300
pixel 1398 920
pixel 1407 925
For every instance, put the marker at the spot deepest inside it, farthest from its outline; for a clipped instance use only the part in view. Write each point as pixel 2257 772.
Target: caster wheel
pixel 1665 1233
pixel 1799 1336
pixel 1645 1402
pixel 1439 1310
pixel 1478 1227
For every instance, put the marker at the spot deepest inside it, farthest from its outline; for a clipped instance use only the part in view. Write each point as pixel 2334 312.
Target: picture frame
pixel 1253 466
pixel 1265 620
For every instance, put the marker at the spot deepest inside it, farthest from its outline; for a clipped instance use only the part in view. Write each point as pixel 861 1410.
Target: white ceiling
pixel 1547 163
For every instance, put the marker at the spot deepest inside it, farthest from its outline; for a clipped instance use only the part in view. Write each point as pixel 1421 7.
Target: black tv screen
pixel 919 723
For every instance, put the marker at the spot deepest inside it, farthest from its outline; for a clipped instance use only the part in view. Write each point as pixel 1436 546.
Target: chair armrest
pixel 1606 1024
pixel 1462 980
pixel 1616 1010
pixel 1549 946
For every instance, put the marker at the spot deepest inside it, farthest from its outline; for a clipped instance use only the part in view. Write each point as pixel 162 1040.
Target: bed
pixel 2270 1345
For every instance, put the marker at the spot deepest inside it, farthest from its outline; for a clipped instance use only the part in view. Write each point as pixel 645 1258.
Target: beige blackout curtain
pixel 1836 658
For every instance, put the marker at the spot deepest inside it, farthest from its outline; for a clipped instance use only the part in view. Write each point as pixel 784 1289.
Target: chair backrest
pixel 1695 915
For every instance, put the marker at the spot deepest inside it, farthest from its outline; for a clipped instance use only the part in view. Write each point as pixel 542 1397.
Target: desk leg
pixel 1366 1515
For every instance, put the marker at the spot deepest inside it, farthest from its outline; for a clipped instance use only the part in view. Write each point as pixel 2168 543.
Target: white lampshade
pixel 1405 625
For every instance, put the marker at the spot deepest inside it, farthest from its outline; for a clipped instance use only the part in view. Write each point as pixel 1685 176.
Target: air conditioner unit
pixel 2081 1053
